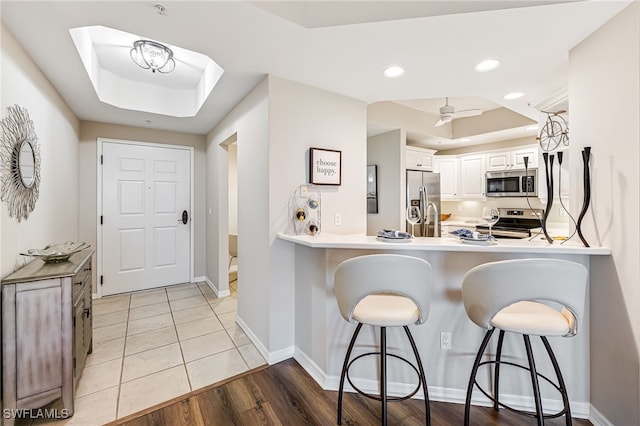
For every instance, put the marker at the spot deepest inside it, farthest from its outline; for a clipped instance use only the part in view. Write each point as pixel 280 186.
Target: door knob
pixel 185 217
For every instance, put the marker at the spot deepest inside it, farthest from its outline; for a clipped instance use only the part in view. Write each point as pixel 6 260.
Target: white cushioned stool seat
pixel 386 310
pixel 531 318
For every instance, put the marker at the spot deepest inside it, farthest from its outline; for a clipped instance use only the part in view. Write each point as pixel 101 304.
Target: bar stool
pixel 384 290
pixel 507 295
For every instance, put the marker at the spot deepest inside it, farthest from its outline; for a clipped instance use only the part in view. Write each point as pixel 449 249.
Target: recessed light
pixel 512 96
pixel 488 65
pixel 393 72
pixel 465 140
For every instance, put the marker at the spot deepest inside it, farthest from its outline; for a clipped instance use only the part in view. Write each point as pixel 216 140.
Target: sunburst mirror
pixel 19 163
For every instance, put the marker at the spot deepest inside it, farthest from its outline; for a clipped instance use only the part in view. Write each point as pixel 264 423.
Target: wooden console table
pixel 46 332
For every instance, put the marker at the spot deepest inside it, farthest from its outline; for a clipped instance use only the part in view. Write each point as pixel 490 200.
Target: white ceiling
pixel 340 46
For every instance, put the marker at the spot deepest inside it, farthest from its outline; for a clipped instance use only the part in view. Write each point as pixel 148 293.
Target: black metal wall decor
pixel 586 178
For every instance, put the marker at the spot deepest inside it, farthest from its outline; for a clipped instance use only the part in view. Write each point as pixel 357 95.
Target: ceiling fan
pixel 448 113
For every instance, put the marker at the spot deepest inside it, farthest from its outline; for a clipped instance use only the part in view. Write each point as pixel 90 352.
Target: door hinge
pixel 101 159
pixel 101 279
pixel 101 220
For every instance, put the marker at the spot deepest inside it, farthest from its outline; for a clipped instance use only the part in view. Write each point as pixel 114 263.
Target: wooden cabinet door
pixel 497 161
pixel 447 166
pixel 472 176
pixel 518 157
pixel 39 345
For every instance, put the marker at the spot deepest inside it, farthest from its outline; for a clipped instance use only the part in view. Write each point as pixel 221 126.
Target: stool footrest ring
pixel 495 400
pixel 378 397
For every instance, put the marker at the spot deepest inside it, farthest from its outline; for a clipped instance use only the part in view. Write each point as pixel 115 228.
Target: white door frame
pixel 100 141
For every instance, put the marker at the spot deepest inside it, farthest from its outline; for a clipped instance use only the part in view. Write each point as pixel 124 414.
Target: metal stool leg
pixel 423 378
pixel 496 384
pixel 344 371
pixel 383 373
pixel 561 385
pixel 534 380
pixel 474 371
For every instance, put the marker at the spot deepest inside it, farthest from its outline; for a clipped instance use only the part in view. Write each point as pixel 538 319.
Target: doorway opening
pixel 232 183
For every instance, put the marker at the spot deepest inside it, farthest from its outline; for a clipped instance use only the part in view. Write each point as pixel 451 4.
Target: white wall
pixel 247 125
pixel 90 131
pixel 301 117
pixel 387 152
pixel 604 99
pixel 275 125
pixel 55 217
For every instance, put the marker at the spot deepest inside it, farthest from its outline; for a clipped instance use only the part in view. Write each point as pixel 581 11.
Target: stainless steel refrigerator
pixel 423 191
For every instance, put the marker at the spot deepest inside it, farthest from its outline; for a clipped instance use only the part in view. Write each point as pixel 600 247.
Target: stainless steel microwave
pixel 512 183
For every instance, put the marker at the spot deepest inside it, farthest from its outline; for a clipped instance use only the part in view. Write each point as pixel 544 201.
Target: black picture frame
pixel 325 166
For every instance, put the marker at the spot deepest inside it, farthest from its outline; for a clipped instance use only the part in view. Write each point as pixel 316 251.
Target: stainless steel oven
pixel 512 183
pixel 514 223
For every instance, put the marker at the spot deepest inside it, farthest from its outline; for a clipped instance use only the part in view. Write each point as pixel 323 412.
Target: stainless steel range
pixel 514 223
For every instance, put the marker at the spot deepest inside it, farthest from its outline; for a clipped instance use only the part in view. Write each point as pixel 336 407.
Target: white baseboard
pixel 271 357
pixel 199 279
pixel 254 339
pixel 597 418
pixel 311 368
pixel 215 290
pixel 456 396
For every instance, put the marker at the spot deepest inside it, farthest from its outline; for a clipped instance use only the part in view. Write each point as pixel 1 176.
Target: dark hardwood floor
pixel 284 394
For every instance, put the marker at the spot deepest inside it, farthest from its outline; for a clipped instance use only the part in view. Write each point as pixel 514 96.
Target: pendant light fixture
pixel 149 54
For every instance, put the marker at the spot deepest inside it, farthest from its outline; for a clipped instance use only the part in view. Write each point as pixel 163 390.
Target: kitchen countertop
pixel 447 244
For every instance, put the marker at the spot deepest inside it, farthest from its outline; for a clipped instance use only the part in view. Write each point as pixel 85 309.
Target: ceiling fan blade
pixel 442 122
pixel 467 113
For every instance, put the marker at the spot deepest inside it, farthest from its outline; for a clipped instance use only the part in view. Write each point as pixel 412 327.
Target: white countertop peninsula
pixel 322 336
pixel 445 244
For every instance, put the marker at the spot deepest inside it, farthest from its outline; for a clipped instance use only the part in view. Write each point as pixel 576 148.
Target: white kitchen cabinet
pixel 419 158
pixel 447 166
pixel 472 176
pixel 512 159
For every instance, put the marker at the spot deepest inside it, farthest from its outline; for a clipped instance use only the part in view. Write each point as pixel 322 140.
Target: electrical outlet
pixel 337 219
pixel 445 340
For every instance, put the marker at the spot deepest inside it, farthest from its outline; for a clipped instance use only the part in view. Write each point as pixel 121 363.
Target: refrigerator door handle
pixel 423 207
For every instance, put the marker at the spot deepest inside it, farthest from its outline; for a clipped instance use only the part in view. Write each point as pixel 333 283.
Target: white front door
pixel 145 190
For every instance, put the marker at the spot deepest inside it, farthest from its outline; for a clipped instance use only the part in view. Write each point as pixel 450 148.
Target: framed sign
pixel 325 166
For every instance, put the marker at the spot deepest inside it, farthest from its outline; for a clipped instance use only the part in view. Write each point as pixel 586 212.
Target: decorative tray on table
pixel 57 252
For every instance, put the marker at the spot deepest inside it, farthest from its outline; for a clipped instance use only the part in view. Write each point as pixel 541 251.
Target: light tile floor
pixel 152 346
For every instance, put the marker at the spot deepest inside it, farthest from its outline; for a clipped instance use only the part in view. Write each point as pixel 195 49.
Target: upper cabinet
pixel 447 166
pixel 419 158
pixel 472 179
pixel 512 159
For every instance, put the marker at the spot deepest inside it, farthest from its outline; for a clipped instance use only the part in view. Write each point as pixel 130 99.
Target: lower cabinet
pixel 46 334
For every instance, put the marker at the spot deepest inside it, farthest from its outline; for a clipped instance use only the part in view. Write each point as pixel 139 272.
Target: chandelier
pixel 148 54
